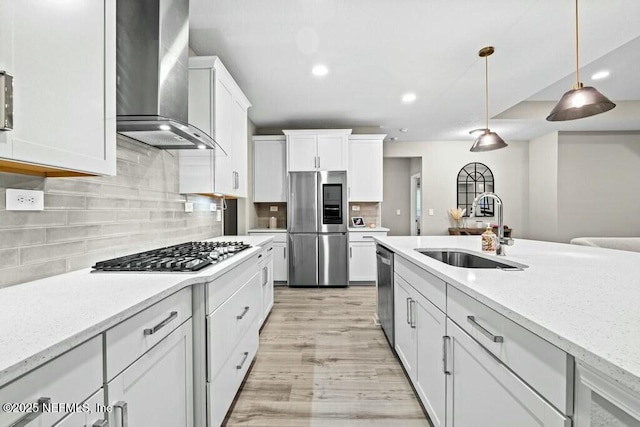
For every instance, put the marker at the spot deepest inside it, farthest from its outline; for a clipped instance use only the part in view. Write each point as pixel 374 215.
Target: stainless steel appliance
pixel 184 257
pixel 385 291
pixel 317 237
pixel 152 65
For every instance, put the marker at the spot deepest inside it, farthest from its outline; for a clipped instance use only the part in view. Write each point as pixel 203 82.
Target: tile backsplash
pixel 88 219
pixel 370 211
pixel 263 214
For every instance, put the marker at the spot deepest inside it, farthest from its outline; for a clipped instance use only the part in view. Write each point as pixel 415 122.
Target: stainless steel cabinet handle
pixel 350 251
pixel 244 313
pixel 270 249
pixel 124 416
pixel 412 305
pixel 265 276
pixel 100 423
pixel 260 256
pixel 245 356
pixel 315 162
pixel 30 416
pixel 485 332
pixel 319 162
pixel 445 368
pixel 408 309
pixel 367 237
pixel 162 324
pixel 285 253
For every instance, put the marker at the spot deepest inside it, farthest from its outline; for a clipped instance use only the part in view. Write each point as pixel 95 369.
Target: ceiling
pixel 377 50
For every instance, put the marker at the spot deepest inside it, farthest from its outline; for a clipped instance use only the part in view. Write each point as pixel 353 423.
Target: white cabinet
pixel 157 389
pixel 419 326
pixel 280 261
pixel 365 168
pixel 362 255
pixel 481 391
pixel 94 417
pixel 62 59
pixel 321 150
pixel 269 169
pixel 218 107
pixel 266 279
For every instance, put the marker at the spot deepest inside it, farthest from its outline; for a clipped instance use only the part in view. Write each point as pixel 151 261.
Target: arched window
pixel 474 179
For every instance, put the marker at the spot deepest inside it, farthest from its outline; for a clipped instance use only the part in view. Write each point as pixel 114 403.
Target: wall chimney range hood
pixel 153 75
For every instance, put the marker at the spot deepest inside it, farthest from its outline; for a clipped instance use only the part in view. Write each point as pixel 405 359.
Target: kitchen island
pixel 582 300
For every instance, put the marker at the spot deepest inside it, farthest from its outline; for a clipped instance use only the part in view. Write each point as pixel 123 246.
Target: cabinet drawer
pixel 231 321
pixel 367 236
pixel 228 284
pixel 278 236
pixel 69 378
pixel 130 339
pixel 544 366
pixel 431 287
pixel 223 389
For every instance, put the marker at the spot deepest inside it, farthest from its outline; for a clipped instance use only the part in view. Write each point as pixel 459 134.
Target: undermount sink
pixel 467 259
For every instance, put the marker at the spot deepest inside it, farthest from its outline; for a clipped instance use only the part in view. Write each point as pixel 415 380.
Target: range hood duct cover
pixel 153 75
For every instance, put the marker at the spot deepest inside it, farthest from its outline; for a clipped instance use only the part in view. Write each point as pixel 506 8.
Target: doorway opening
pixel 416 203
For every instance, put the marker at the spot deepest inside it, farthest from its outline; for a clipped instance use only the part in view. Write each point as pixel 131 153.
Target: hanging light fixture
pixel 488 140
pixel 581 101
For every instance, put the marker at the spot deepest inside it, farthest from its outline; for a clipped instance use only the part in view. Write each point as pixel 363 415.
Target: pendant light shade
pixel 488 140
pixel 581 101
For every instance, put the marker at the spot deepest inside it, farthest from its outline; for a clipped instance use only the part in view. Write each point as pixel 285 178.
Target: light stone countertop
pixel 584 300
pixel 365 229
pixel 42 319
pixel 267 230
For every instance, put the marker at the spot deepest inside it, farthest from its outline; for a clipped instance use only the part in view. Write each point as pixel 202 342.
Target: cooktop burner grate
pixel 185 257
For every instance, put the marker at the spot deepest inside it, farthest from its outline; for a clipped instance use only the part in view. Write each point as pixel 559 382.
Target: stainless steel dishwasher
pixel 384 259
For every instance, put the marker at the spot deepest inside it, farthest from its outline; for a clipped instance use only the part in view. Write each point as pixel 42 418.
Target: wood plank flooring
pixel 323 362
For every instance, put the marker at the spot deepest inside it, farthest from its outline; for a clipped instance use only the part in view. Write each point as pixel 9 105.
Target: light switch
pixel 188 206
pixel 355 207
pixel 430 212
pixel 273 208
pixel 398 212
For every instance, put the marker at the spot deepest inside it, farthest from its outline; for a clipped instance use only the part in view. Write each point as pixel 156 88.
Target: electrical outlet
pixel 398 212
pixel 24 200
pixel 355 207
pixel 273 209
pixel 188 206
pixel 430 212
pixel 218 215
pixel 213 207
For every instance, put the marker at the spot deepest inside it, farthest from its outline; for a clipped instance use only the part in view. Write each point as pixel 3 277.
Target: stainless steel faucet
pixel 502 241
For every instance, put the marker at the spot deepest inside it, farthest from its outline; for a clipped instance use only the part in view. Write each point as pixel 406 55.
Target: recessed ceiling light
pixel 319 70
pixel 403 130
pixel 476 132
pixel 600 75
pixel 165 127
pixel 408 98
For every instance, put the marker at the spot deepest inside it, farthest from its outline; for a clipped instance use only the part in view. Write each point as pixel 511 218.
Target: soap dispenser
pixel 489 240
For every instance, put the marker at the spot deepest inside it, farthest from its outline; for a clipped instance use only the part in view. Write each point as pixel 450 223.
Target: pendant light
pixel 488 140
pixel 581 101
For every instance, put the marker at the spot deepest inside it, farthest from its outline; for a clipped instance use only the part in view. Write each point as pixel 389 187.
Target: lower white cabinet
pixel 481 391
pixel 95 415
pixel 280 262
pixel 266 279
pixel 157 389
pixel 362 255
pixel 419 325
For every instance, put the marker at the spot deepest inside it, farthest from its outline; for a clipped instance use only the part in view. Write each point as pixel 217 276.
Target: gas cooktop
pixel 185 257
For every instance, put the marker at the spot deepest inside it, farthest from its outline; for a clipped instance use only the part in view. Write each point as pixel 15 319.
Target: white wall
pixel 441 162
pixel 543 187
pixel 396 195
pixel 598 184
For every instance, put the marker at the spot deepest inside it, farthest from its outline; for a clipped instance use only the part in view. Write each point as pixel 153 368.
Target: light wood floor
pixel 323 362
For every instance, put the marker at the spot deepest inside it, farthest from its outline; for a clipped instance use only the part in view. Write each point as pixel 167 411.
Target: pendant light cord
pixel 577 50
pixel 486 91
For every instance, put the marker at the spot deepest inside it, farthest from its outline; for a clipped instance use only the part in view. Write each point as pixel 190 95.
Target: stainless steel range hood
pixel 153 75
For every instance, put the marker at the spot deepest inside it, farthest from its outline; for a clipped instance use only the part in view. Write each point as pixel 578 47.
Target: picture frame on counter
pixel 358 221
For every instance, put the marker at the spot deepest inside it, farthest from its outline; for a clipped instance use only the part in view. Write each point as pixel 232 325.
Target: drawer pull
pixel 124 412
pixel 445 368
pixel 246 310
pixel 245 356
pixel 408 309
pixel 151 331
pixel 259 256
pixel 100 423
pixel 33 415
pixel 485 332
pixel 270 249
pixel 367 237
pixel 412 305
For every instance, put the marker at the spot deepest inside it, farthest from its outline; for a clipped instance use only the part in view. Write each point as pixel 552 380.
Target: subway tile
pixel 91 217
pixel 20 219
pixel 122 228
pixel 155 215
pixel 107 203
pixel 106 243
pixel 26 273
pixel 77 232
pixel 137 215
pixel 14 238
pixel 119 191
pixel 19 181
pixel 71 185
pixel 64 201
pixel 143 204
pixel 8 258
pixel 34 254
pixel 88 260
pixel 152 194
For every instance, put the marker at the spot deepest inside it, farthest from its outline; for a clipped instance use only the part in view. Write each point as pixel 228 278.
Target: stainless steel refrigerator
pixel 317 232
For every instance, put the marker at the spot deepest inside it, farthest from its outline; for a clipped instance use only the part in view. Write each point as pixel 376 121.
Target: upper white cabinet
pixel 365 168
pixel 218 107
pixel 269 169
pixel 317 150
pixel 62 57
